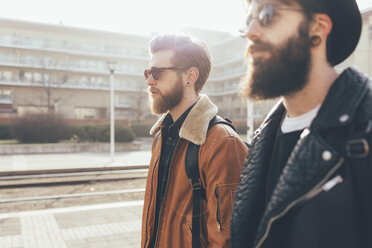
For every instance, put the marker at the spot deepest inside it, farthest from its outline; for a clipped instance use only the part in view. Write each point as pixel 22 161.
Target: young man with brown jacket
pixel 178 69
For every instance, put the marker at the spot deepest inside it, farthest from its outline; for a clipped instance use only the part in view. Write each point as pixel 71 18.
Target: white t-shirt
pixel 300 122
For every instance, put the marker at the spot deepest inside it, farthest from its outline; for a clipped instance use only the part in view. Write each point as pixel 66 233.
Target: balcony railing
pixel 64 66
pixel 230 60
pixel 120 86
pixel 68 47
pixel 227 75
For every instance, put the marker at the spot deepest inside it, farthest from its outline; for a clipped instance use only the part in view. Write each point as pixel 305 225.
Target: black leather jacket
pixel 324 196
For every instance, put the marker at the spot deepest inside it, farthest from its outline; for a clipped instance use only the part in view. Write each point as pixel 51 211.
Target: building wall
pixel 362 56
pixel 70 66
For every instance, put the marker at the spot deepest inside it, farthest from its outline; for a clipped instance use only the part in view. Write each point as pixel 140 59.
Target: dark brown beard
pixel 285 72
pixel 168 101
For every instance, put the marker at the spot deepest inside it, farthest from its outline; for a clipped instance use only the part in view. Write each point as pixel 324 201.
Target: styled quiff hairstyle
pixel 189 52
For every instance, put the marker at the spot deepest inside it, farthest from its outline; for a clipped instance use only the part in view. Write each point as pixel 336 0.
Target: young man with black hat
pixel 307 181
pixel 179 212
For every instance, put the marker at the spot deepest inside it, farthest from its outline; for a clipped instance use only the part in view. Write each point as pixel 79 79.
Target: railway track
pixel 70 176
pixel 64 196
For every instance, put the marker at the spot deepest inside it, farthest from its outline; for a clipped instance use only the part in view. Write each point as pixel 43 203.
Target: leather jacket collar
pixel 342 100
pixel 312 162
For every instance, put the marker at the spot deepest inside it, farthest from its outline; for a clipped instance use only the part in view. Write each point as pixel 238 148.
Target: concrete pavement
pixel 96 226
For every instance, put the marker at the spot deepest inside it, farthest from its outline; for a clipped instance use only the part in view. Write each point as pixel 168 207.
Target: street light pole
pixel 112 66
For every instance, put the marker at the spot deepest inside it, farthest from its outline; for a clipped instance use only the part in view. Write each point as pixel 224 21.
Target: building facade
pixel 62 69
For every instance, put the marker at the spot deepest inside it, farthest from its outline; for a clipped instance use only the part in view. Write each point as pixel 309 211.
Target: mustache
pixel 152 89
pixel 258 46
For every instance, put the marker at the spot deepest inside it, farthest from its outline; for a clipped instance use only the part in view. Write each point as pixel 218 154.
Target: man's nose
pixel 253 30
pixel 150 80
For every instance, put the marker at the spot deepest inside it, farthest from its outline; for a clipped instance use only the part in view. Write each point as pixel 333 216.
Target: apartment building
pixel 45 67
pixel 64 69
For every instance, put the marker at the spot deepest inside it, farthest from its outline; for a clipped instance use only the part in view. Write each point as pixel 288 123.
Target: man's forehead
pixel 247 3
pixel 161 58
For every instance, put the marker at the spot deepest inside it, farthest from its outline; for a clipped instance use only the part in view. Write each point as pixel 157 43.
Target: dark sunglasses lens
pixel 155 73
pixel 265 16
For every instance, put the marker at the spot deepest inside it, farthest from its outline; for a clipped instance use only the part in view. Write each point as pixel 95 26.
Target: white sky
pixel 134 16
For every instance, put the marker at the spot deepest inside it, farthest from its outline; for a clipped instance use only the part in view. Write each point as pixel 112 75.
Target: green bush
pixel 123 133
pixel 39 128
pixel 5 132
pixel 141 129
pixel 78 133
pixel 101 133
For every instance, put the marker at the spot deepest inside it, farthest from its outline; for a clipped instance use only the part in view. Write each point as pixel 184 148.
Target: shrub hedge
pixel 141 129
pixel 39 128
pixel 101 133
pixel 5 131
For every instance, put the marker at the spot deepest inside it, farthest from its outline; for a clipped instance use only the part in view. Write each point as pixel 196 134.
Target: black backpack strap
pixel 192 171
pixel 218 119
pixel 358 150
pixel 357 145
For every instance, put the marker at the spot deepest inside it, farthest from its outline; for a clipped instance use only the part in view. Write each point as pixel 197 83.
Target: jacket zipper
pixel 218 213
pixel 148 209
pixel 310 194
pixel 165 194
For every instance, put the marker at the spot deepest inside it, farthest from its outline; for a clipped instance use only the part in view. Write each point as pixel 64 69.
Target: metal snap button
pixel 344 118
pixel 326 155
pixel 305 133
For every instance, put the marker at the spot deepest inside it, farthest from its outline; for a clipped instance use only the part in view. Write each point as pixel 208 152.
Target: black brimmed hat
pixel 346 30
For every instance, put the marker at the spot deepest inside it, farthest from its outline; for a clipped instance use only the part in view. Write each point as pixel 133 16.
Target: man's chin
pixel 157 108
pixel 156 111
pixel 257 62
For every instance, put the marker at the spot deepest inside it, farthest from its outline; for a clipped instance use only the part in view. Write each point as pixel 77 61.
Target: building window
pixel 27 59
pixel 24 110
pixel 38 77
pixel 89 113
pixel 92 64
pixel 6 38
pixel 83 63
pixel 6 96
pixel 7 75
pixel 46 77
pixel 83 80
pixel 65 78
pixel 7 58
pixel 28 76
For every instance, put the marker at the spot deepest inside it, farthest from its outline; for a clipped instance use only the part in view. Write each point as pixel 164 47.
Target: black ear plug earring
pixel 315 41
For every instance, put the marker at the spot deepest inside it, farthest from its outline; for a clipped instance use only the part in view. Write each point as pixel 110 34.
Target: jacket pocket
pixel 225 199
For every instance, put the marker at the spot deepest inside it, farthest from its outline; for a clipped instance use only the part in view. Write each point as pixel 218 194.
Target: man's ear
pixel 192 75
pixel 321 26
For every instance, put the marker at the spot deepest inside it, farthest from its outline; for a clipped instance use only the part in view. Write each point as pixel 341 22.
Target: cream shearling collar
pixel 195 126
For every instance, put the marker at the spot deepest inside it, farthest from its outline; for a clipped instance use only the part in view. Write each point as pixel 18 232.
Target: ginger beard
pixel 162 102
pixel 284 72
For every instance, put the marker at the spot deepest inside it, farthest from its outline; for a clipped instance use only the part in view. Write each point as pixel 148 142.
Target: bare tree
pixel 48 93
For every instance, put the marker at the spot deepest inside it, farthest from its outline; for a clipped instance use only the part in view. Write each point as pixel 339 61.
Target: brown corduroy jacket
pixel 221 157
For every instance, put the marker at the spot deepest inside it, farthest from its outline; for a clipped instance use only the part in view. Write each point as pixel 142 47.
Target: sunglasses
pixel 155 71
pixel 265 16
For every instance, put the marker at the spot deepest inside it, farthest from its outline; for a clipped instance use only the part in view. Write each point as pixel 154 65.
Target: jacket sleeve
pixel 221 171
